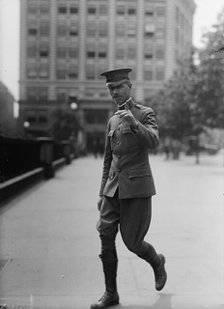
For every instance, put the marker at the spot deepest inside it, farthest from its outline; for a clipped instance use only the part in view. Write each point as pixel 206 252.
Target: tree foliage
pixel 193 98
pixel 210 87
pixel 173 104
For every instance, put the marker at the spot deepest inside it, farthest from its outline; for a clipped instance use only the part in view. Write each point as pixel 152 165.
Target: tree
pixel 210 87
pixel 193 99
pixel 174 103
pixel 177 110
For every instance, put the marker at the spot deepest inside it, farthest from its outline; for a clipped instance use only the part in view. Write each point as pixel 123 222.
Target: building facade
pixel 66 44
pixel 8 122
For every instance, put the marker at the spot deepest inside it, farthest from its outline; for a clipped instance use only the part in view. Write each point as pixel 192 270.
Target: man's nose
pixel 115 90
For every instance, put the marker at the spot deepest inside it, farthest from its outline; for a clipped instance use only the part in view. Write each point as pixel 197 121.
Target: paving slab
pixel 49 245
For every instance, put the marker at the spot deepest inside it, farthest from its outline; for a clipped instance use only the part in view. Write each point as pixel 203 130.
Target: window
pixel 31 70
pixel 148 52
pixel 43 93
pixel 132 32
pixel 62 9
pixel 32 31
pixel 42 119
pixel 44 8
pixel 160 53
pixel 32 8
pixel 91 50
pixel 160 74
pixel 37 93
pixel 132 11
pixel 32 51
pixel 131 52
pixel 148 55
pixel 149 12
pixel 132 29
pixel 31 118
pixel 44 71
pixel 160 31
pixel 91 54
pixel 102 54
pixel 90 72
pixel 61 52
pixel 160 11
pixel 91 29
pixel 61 94
pixel 149 34
pixel 120 10
pixel 103 9
pixel 120 29
pixel 74 10
pixel 91 10
pixel 62 30
pixel 149 30
pixel 120 53
pixel 73 51
pixel 31 93
pixel 73 30
pixel 73 72
pixel 61 72
pixel 148 74
pixel 102 29
pixel 44 28
pixel 102 50
pixel 44 52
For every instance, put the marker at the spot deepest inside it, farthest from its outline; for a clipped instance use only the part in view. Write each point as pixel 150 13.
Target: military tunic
pixel 126 164
pixel 127 183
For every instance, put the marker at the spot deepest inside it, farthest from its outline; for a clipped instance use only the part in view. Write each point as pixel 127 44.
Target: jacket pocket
pixel 129 140
pixel 127 130
pixel 138 173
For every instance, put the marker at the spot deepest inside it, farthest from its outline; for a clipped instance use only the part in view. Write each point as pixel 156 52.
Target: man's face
pixel 120 93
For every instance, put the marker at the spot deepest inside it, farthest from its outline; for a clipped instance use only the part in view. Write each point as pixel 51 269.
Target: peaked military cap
pixel 116 77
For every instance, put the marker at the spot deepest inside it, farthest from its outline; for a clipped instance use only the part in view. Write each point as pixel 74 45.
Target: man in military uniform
pixel 127 185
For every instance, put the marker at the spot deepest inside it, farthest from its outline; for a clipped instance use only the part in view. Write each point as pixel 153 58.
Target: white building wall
pixel 81 84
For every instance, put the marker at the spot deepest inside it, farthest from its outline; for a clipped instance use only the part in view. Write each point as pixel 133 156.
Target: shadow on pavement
pixel 164 302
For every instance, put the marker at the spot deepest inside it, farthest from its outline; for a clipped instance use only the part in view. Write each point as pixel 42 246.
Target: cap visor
pixel 117 83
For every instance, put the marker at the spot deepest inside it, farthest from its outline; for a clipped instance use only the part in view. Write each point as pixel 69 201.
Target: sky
pixel 205 16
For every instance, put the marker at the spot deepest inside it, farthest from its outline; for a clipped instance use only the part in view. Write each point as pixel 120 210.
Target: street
pixel 49 245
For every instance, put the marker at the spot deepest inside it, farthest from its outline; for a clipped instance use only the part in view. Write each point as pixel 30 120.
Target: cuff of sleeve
pixel 134 128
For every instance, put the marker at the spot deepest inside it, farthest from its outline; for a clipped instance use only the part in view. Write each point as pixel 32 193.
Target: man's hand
pixel 127 116
pixel 99 203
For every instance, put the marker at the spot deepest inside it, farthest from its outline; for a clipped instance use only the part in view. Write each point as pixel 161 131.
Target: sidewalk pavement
pixel 49 245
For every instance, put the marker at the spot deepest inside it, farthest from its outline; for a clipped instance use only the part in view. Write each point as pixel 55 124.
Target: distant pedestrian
pixel 127 185
pixel 167 149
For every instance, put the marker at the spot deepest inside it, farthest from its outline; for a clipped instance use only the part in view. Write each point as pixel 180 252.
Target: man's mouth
pixel 118 99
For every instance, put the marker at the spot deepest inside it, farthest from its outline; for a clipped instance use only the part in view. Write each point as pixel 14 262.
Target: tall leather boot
pixel 157 262
pixel 110 296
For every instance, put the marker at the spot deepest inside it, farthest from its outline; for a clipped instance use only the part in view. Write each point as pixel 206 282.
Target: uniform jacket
pixel 126 159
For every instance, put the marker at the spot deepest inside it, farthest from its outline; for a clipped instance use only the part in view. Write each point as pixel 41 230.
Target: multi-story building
pixel 8 122
pixel 66 44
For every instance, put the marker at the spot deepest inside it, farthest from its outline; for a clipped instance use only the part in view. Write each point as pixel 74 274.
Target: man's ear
pixel 129 84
